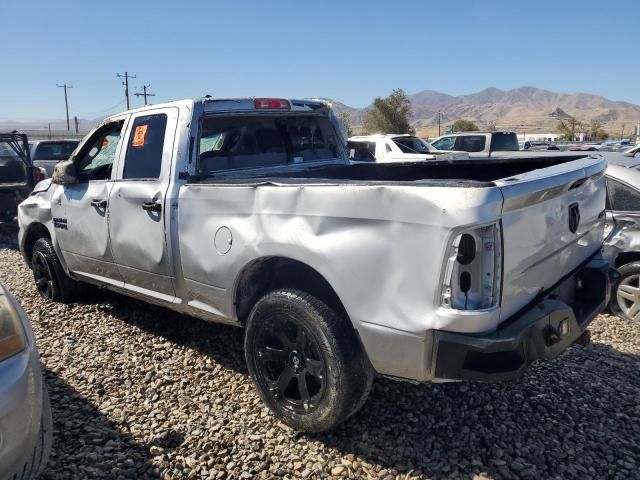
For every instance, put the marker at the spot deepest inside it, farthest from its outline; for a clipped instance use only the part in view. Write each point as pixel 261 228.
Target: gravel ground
pixel 140 392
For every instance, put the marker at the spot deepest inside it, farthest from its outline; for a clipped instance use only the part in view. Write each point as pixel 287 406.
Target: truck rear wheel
pixel 51 280
pixel 306 361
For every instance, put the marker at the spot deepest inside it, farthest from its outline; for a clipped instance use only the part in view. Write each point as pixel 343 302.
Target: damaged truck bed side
pixel 248 212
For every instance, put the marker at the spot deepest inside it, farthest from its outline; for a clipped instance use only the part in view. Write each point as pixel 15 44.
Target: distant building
pixel 539 137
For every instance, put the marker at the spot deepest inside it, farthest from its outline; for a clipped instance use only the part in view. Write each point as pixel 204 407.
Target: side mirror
pixel 64 173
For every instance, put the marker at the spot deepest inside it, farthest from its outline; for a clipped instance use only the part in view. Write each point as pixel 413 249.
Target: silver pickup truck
pixel 248 212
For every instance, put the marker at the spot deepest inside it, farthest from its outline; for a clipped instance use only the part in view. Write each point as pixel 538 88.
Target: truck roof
pixel 212 104
pixel 380 136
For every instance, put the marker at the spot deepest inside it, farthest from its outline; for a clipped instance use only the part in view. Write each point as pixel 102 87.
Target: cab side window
pixel 470 143
pixel 144 149
pixel 622 198
pixel 445 143
pixel 95 161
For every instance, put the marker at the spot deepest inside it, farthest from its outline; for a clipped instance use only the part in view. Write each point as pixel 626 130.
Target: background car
pixel 47 153
pixel 26 430
pixel 622 230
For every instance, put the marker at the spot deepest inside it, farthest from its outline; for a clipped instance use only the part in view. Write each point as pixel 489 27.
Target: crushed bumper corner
pixel 541 331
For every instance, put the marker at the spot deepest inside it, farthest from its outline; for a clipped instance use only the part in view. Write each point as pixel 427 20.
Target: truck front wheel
pixel 51 280
pixel 306 361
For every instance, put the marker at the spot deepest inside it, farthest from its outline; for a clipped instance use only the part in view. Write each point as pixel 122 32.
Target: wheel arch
pixel 624 258
pixel 34 232
pixel 266 274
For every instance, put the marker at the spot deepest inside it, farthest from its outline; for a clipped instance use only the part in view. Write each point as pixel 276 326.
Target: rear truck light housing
pixel 271 104
pixel 37 175
pixel 472 276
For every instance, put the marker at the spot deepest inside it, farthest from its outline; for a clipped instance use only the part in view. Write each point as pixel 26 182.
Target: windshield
pixel 248 141
pixel 411 145
pixel 54 150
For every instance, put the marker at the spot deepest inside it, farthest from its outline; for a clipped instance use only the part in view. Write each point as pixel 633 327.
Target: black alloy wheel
pixel 43 275
pixel 289 364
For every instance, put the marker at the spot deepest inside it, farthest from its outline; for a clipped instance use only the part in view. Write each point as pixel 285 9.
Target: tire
pixel 36 462
pixel 625 293
pixel 51 280
pixel 305 361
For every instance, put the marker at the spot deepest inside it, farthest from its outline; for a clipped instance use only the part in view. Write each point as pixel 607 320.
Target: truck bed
pixel 474 172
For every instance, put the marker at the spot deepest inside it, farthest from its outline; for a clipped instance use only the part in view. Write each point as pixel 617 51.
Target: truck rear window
pixel 470 143
pixel 249 141
pixel 504 142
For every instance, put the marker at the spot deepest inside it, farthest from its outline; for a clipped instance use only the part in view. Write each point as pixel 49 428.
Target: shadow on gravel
pixel 86 443
pixel 222 343
pixel 9 235
pixel 576 417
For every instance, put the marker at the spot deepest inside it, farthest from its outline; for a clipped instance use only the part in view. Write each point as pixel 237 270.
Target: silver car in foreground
pixel 25 413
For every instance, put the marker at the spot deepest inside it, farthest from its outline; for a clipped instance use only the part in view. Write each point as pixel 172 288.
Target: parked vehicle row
pixel 250 212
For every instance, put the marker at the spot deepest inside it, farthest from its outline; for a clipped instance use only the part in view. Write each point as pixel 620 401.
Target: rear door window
pixel 144 152
pixel 470 143
pixel 250 141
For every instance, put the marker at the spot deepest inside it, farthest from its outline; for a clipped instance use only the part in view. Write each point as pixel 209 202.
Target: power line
pixel 66 102
pixel 126 77
pixel 145 94
pixel 102 111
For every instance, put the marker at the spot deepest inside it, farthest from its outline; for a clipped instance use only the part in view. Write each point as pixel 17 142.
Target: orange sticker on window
pixel 139 136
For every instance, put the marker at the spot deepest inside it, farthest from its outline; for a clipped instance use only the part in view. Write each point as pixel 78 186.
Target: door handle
pixel 99 203
pixel 152 207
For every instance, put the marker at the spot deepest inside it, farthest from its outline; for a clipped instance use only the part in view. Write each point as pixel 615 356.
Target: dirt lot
pixel 140 392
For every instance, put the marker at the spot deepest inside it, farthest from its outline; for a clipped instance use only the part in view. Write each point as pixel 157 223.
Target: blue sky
pixel 348 50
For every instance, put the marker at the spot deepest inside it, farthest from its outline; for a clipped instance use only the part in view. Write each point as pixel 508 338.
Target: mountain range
pixel 522 109
pixel 527 109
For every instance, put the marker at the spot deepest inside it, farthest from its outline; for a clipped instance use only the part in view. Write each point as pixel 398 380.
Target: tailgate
pixel 542 239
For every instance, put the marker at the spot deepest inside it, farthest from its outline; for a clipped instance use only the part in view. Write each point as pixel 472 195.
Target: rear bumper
pixel 541 331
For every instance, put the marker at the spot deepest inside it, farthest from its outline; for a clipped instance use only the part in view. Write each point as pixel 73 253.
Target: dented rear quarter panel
pixel 380 247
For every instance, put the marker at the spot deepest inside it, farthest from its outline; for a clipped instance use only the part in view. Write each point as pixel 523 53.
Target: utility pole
pixel 145 94
pixel 126 77
pixel 66 102
pixel 75 119
pixel 439 116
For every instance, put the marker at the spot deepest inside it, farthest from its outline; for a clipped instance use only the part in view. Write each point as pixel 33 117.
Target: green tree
pixel 390 114
pixel 463 125
pixel 569 128
pixel 596 131
pixel 345 118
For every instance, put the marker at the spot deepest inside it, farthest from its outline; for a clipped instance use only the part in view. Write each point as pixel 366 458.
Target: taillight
pixel 473 268
pixel 271 104
pixel 37 175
